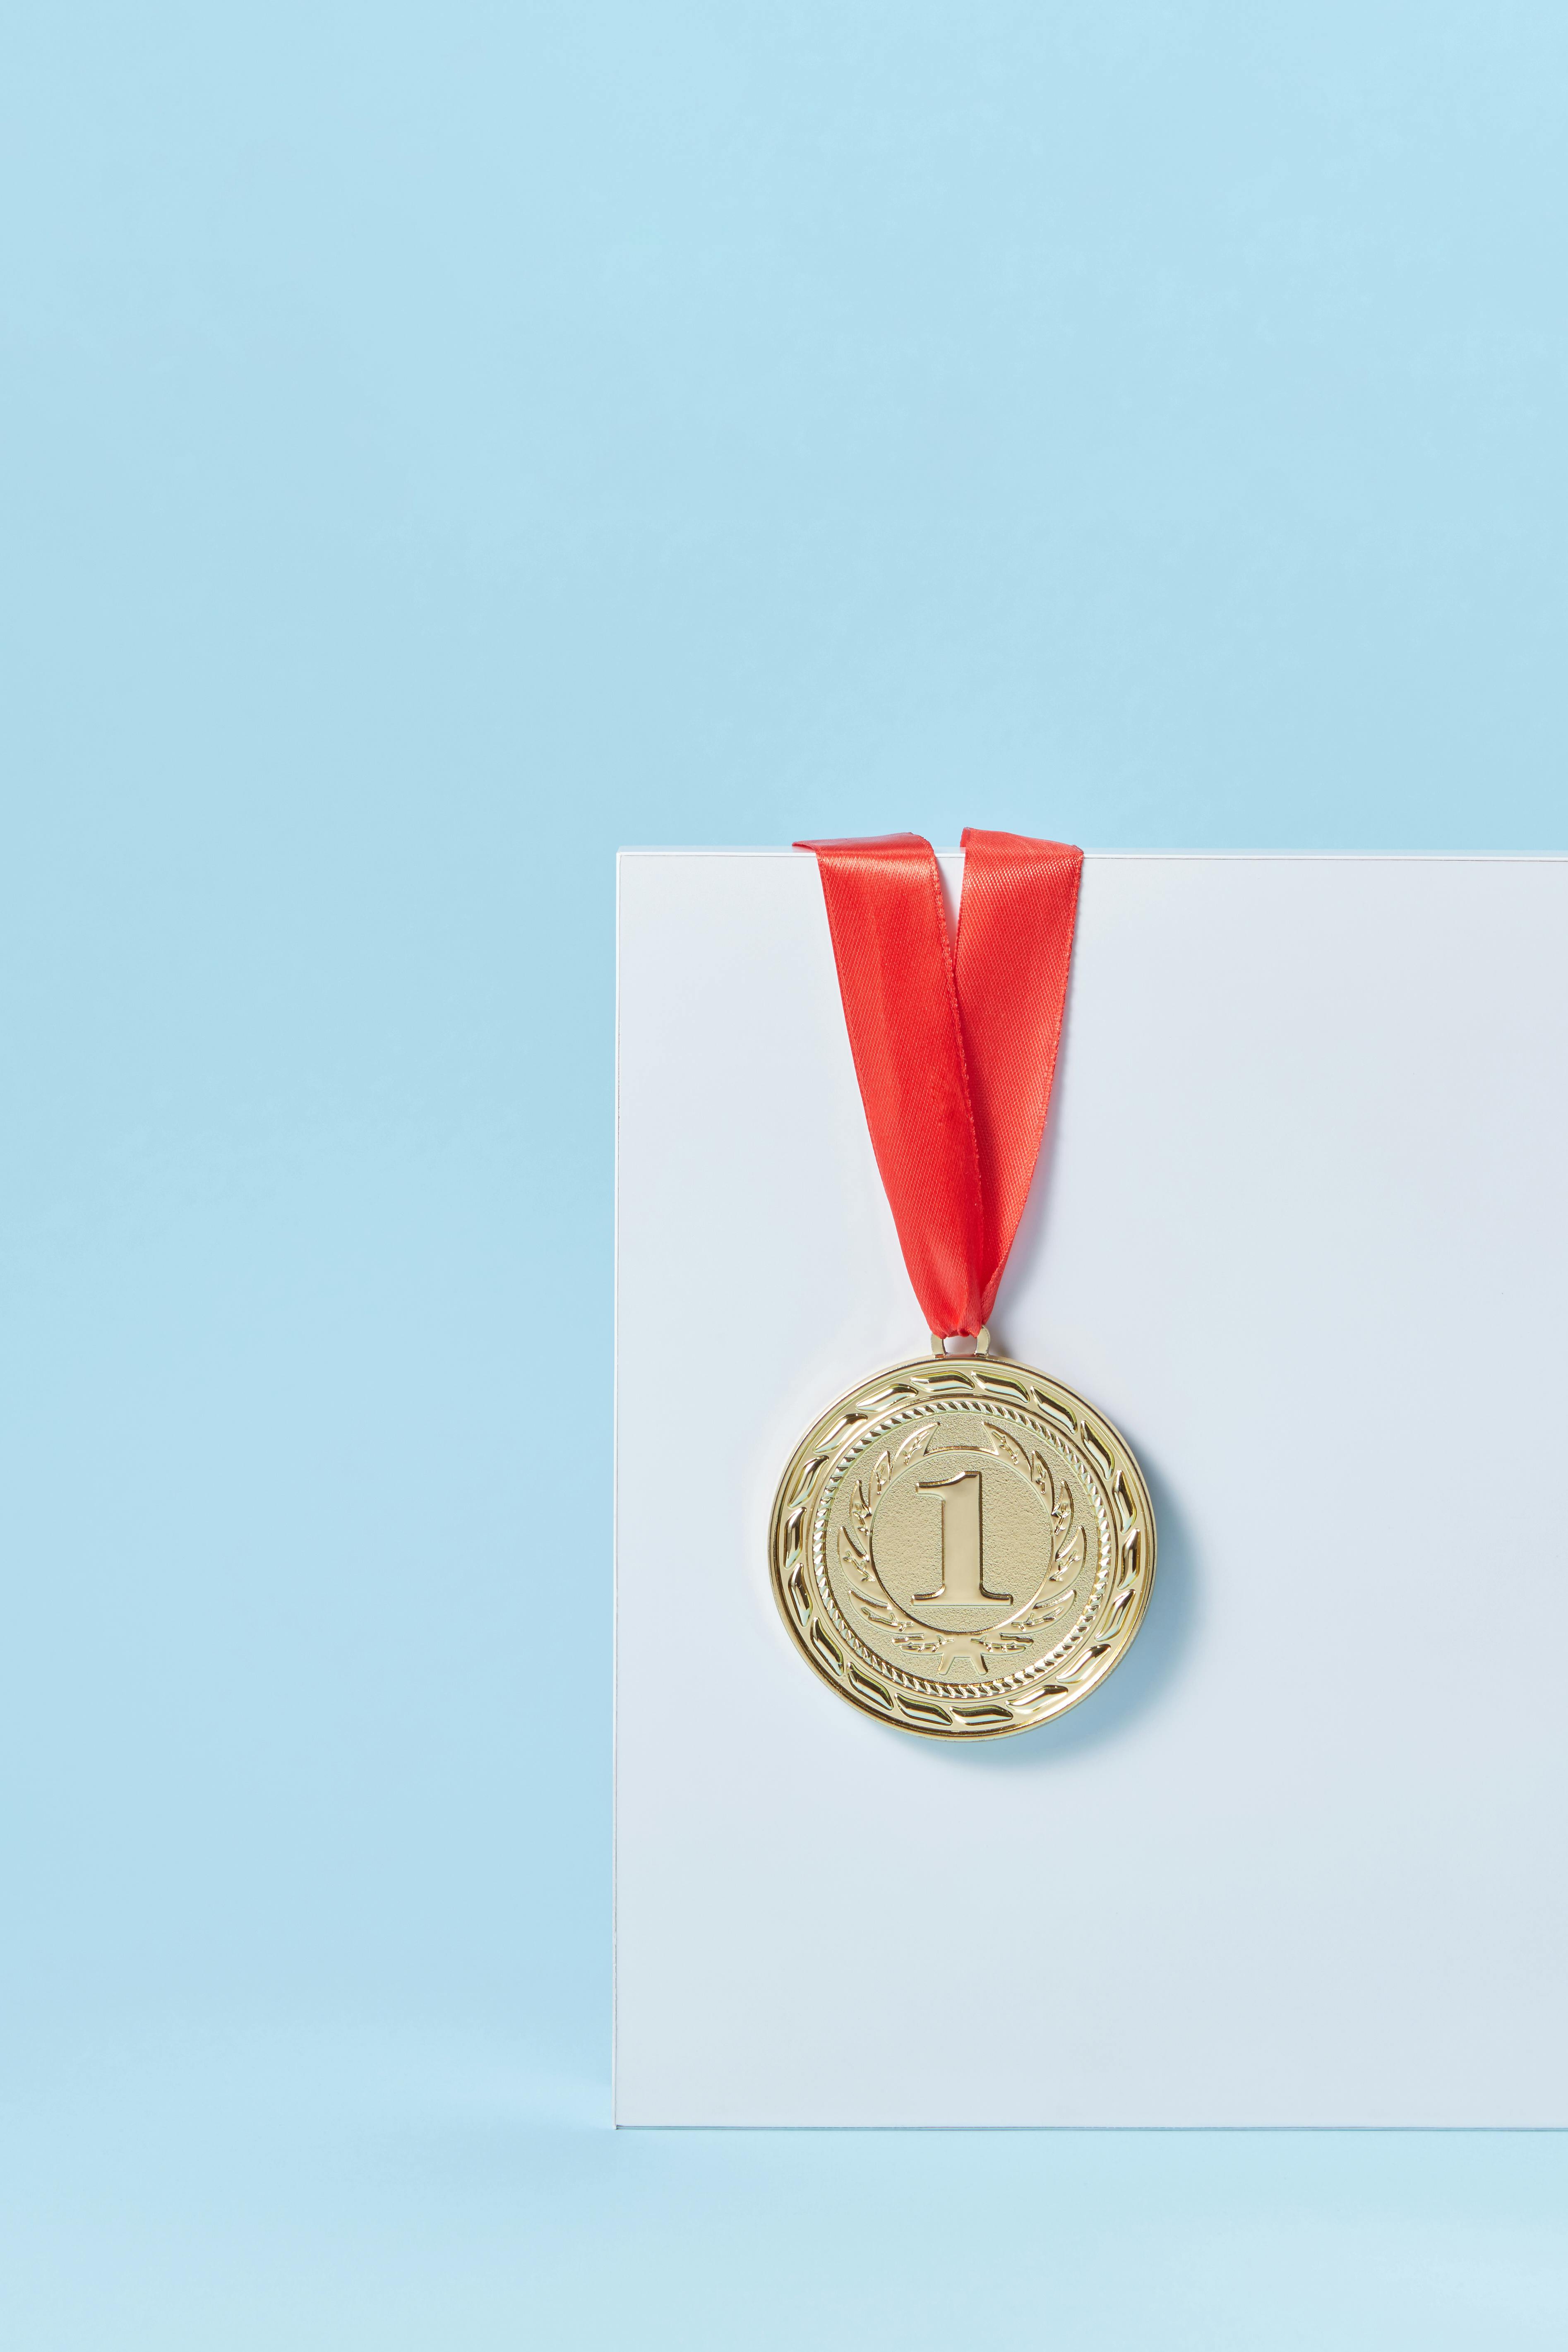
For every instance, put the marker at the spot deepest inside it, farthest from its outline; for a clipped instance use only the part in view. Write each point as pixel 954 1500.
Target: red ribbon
pixel 955 1048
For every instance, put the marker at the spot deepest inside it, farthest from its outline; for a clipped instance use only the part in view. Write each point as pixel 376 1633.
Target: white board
pixel 1300 1230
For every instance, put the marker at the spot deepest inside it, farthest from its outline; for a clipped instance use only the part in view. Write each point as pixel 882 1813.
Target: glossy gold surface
pixel 961 1547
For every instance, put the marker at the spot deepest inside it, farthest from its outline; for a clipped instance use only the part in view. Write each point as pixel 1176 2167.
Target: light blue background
pixel 441 443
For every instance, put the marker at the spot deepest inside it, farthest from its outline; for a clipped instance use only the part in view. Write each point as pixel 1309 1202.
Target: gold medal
pixel 962 1547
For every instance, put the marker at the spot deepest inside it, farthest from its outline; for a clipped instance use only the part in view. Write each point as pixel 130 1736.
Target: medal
pixel 962 1546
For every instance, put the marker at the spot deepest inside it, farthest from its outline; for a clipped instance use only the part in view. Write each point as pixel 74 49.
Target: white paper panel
pixel 1300 1232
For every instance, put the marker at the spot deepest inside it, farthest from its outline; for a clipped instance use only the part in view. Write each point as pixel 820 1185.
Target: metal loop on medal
pixel 981 1341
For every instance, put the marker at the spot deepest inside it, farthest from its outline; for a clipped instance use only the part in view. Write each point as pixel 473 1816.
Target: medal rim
pixel 1122 1642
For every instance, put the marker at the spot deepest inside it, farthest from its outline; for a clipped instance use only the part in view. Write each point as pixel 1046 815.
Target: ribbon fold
pixel 954 1044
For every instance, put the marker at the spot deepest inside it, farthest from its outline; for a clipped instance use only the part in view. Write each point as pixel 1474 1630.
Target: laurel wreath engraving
pixel 1069 1554
pixel 862 1504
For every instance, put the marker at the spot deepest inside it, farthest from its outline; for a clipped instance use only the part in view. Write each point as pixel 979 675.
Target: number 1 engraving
pixel 962 1571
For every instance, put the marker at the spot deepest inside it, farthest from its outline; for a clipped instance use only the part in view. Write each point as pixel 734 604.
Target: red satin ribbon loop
pixel 954 1046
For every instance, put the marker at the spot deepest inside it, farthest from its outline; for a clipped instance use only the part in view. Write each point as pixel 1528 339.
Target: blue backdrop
pixel 442 443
